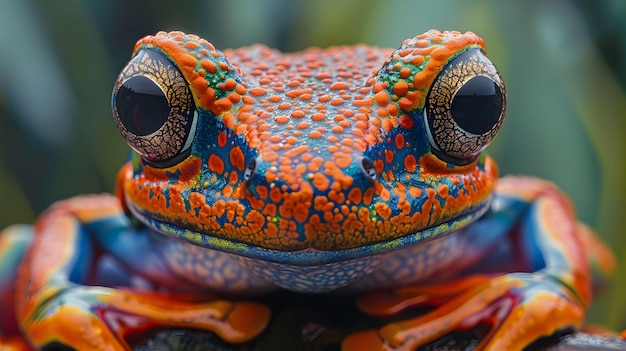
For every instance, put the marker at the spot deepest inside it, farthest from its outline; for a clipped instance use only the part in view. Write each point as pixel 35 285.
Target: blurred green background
pixel 564 64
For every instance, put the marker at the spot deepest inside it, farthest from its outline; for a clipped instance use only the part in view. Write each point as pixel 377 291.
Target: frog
pixel 352 170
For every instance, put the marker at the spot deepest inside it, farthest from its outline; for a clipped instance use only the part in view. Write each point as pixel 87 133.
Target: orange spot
pixel 368 196
pixel 410 164
pixel 378 87
pixel 300 169
pixel 337 197
pixel 321 203
pixel 234 177
pixel 208 65
pixel 405 52
pixel 324 98
pixel 222 105
pixel 223 66
pixel 257 91
pixel 234 97
pixel 355 195
pixel 255 221
pixel 415 192
pixel 284 106
pixel 399 141
pixel 262 191
pixel 383 210
pixel 315 134
pixel 297 114
pixel 320 182
pixel 230 84
pixel 282 119
pixel 341 181
pixel 315 164
pixel 270 210
pixel 275 138
pixel 216 164
pixel 392 109
pixel 379 165
pixel 300 212
pixel 337 129
pixel 405 73
pixel 237 158
pixel 294 93
pixel 404 206
pixel 417 60
pixel 293 84
pixel 385 195
pixel 227 191
pixel 276 195
pixel 318 116
pixel 274 98
pixel 339 86
pixel 296 151
pixel 363 102
pixel 406 122
pixel 401 88
pixel 382 98
pixel 229 120
pixel 361 125
pixel 240 89
pixel 443 190
pixel 337 102
pixel 343 160
pixel 389 154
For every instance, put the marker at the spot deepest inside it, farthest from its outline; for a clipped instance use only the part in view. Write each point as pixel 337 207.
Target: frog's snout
pixel 343 181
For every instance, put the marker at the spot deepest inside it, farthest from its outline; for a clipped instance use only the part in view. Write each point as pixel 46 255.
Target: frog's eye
pixel 154 109
pixel 465 107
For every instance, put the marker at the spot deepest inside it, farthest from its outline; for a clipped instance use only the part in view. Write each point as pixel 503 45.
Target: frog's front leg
pixel 55 304
pixel 549 293
pixel 14 241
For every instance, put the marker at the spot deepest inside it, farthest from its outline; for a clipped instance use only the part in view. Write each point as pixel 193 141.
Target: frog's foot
pixel 13 243
pixel 98 318
pixel 520 307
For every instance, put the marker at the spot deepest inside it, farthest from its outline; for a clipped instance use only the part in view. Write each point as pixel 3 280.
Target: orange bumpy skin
pixel 308 120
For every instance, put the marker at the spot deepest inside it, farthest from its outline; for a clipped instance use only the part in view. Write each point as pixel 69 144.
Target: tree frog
pixel 348 170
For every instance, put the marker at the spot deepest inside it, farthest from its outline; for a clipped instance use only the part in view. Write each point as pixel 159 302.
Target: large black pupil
pixel 141 106
pixel 477 105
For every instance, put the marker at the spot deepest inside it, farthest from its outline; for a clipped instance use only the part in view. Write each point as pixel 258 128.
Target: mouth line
pixel 312 257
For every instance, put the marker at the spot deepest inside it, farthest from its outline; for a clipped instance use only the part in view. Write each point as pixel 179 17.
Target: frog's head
pixel 310 157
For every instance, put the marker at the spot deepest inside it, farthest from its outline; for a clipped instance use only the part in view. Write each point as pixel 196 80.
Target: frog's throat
pixel 310 256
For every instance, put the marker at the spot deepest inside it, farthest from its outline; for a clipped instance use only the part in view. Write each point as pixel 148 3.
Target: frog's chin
pixel 310 256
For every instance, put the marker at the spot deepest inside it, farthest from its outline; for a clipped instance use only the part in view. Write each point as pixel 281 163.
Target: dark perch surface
pixel 196 341
pixel 312 323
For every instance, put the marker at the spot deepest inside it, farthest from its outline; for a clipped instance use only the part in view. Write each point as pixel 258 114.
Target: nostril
pixel 250 170
pixel 368 168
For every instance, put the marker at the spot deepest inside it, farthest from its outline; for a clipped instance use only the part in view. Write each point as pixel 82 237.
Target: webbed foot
pixel 520 307
pixel 98 318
